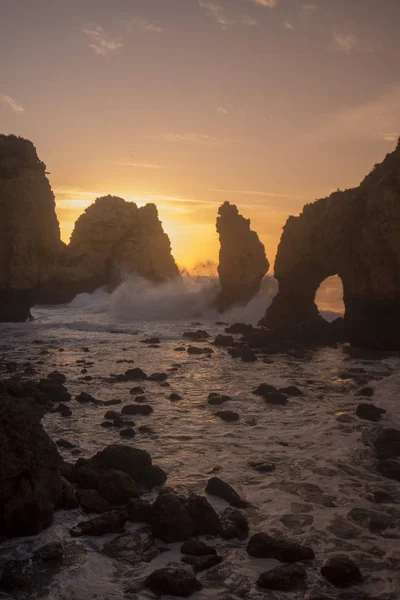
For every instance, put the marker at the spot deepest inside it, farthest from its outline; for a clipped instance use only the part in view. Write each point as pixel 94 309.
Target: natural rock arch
pixel 329 298
pixel 356 235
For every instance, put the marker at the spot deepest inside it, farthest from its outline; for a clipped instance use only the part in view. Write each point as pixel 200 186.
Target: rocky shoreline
pixel 119 486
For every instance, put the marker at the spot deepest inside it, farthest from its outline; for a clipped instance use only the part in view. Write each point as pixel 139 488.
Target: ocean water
pixel 315 440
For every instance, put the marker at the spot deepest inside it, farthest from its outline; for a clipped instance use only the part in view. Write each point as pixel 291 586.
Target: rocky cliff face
pixel 29 231
pixel 112 240
pixel 354 234
pixel 242 260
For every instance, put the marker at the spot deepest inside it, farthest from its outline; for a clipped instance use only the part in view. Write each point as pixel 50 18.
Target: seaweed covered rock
pixel 242 259
pixel 29 470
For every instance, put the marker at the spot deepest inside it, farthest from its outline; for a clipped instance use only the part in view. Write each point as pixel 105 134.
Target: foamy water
pixel 314 439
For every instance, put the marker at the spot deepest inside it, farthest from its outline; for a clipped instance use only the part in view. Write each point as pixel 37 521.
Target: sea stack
pixel 354 234
pixel 112 240
pixel 29 231
pixel 242 259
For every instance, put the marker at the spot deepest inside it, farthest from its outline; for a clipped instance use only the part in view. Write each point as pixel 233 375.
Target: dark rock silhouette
pixel 29 231
pixel 29 469
pixel 354 234
pixel 112 240
pixel 242 259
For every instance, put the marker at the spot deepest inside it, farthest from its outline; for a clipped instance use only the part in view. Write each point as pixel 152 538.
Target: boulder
pixel 262 545
pixel 170 520
pixel 285 578
pixel 132 548
pixel 200 334
pixel 118 487
pixel 370 412
pixel 224 341
pixel 218 487
pixel 201 563
pixel 341 571
pixel 93 502
pixel 205 518
pixel 173 581
pixel 229 416
pixel 137 409
pixel 131 461
pixel 234 524
pixel 197 548
pixel 387 443
pixel 29 470
pixel 110 522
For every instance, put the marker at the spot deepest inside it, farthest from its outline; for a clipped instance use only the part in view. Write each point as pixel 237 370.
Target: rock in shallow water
pixel 201 563
pixel 229 416
pixel 341 571
pixel 218 487
pixel 173 581
pixel 370 412
pixel 387 444
pixel 170 520
pixel 205 518
pixel 285 578
pixel 132 548
pixel 195 547
pixel 110 522
pixel 234 524
pixel 262 545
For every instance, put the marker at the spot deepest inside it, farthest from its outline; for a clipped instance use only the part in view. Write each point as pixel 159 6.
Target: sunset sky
pixel 187 103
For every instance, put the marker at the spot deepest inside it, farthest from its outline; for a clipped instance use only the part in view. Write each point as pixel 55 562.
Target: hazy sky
pixel 266 103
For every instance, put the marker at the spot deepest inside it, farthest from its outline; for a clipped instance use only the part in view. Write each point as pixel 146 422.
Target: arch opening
pixel 329 298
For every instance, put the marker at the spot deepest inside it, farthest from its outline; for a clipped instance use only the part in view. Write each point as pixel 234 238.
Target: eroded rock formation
pixel 29 469
pixel 29 231
pixel 242 259
pixel 112 240
pixel 354 234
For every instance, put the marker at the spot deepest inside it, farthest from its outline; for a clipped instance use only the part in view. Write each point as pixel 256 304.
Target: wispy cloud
pixel 376 120
pixel 222 111
pixel 307 9
pixel 344 42
pixel 255 193
pixel 181 200
pixel 217 13
pixel 138 165
pixel 248 21
pixel 266 3
pixel 187 137
pixel 140 24
pixel 12 104
pixel 102 43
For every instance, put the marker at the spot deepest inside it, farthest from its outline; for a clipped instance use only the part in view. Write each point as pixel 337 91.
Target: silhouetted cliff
pixel 242 260
pixel 111 240
pixel 29 231
pixel 354 234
